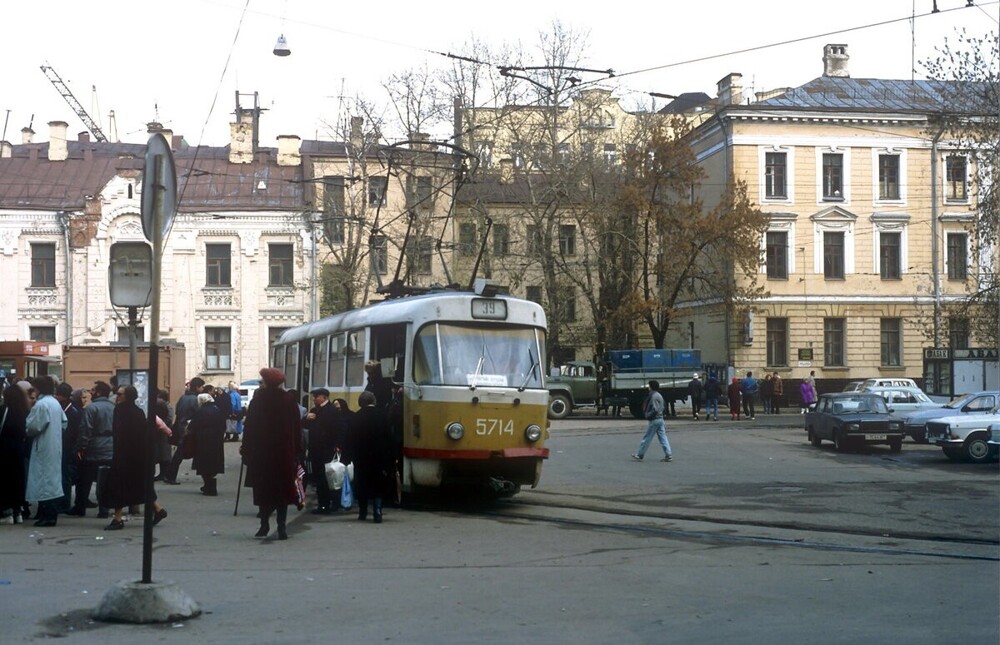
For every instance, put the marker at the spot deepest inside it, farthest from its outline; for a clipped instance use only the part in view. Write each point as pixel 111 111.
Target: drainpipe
pixel 64 218
pixel 935 269
pixel 728 321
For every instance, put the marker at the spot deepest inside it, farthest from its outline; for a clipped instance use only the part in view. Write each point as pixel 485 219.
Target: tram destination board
pixel 489 309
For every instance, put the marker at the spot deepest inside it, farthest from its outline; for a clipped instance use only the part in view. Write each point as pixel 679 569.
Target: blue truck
pixel 617 379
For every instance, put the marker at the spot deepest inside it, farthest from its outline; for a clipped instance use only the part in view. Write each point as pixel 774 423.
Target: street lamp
pixel 281 47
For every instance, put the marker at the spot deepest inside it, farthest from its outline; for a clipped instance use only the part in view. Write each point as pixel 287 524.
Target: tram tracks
pixel 722 531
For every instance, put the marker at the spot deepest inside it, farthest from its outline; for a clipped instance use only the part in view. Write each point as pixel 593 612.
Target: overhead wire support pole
pixel 61 87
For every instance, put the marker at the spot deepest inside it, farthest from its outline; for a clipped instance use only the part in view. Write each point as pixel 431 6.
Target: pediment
pixel 834 214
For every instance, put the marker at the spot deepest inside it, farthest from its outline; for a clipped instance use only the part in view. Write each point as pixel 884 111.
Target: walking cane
pixel 239 485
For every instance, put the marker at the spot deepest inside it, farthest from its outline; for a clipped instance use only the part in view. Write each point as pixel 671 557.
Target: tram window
pixel 278 358
pixel 451 354
pixel 319 362
pixel 356 358
pixel 335 376
pixel 292 367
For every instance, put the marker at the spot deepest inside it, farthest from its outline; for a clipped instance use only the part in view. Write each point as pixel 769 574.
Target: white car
pixel 972 403
pixel 903 399
pixel 965 437
pixel 888 382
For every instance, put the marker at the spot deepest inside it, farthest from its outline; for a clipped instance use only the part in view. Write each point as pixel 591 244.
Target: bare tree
pixel 969 66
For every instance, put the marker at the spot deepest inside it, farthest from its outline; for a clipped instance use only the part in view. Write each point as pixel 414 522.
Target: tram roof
pixel 413 308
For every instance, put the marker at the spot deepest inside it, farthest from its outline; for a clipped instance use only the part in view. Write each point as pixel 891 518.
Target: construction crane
pixel 73 103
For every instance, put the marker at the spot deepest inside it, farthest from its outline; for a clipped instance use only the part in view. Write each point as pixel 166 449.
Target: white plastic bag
pixel 335 472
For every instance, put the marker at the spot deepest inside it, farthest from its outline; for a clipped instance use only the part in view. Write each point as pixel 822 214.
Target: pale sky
pixel 167 60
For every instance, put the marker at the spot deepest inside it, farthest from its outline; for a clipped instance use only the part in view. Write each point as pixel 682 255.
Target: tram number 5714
pixel 494 426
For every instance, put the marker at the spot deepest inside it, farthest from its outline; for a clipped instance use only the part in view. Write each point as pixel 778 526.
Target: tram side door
pixel 388 347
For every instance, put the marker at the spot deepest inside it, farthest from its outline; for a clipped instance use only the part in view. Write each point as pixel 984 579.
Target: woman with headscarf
pixel 373 456
pixel 127 479
pixel 208 426
pixel 271 435
pixel 12 451
pixel 734 400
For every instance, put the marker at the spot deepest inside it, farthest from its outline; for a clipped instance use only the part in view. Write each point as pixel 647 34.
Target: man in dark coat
pixel 94 446
pixel 378 385
pixel 322 445
pixel 187 405
pixel 373 457
pixel 271 434
pixel 127 479
pixel 694 393
pixel 74 415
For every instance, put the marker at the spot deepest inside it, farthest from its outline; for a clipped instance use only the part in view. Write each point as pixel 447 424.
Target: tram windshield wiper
pixel 479 368
pixel 531 371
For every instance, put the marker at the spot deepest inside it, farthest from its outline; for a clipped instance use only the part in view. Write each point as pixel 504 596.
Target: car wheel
pixel 976 449
pixel 813 439
pixel 559 406
pixel 954 454
pixel 839 442
pixel 895 445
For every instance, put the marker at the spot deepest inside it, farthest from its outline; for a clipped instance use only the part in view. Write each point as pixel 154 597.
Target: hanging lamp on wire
pixel 281 47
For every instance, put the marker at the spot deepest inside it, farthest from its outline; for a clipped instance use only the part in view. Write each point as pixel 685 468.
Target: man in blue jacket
pixel 748 388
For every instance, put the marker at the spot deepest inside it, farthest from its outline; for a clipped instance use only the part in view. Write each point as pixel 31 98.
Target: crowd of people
pixel 66 451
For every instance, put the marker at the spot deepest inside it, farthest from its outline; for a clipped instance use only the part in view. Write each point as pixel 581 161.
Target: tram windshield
pixel 478 356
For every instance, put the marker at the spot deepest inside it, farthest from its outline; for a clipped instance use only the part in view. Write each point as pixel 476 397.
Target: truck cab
pixel 574 386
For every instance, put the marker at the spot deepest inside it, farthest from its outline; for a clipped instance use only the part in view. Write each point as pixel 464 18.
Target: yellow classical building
pixel 871 228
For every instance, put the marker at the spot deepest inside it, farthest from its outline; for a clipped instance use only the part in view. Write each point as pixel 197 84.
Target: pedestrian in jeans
pixel 713 390
pixel 653 408
pixel 748 387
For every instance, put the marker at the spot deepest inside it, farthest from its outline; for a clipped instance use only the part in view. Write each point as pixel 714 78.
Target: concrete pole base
pixel 136 602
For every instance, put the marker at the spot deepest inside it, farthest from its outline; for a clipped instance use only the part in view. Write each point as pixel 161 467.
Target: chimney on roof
pixel 288 150
pixel 83 137
pixel 835 61
pixel 241 139
pixel 357 138
pixel 6 150
pixel 506 171
pixel 153 127
pixel 58 148
pixel 731 90
pixel 27 135
pixel 421 141
pixel 175 141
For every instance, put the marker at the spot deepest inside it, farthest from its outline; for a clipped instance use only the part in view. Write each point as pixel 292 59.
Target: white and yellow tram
pixel 470 366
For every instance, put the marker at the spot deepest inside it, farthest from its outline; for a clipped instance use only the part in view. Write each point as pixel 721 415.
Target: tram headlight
pixel 455 430
pixel 533 433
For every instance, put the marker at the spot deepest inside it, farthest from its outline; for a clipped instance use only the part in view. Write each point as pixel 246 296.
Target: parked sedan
pixel 915 423
pixel 852 419
pixel 904 399
pixel 965 437
pixel 853 386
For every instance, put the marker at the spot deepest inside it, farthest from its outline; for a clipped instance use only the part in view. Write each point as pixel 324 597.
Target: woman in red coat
pixel 271 434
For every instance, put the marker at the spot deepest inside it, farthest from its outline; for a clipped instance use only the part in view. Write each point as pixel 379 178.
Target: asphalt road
pixel 750 535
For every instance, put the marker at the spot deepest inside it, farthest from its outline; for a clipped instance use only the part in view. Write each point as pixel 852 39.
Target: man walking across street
pixel 713 390
pixel 694 393
pixel 653 407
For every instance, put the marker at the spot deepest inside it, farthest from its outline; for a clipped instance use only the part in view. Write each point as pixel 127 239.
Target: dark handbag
pixel 189 446
pixel 103 477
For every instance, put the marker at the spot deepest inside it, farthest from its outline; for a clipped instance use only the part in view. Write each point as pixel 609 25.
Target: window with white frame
pixel 956 178
pixel 776 175
pixel 833 342
pixel 890 231
pixel 891 341
pixel 834 242
pixel 889 176
pixel 957 256
pixel 777 255
pixel 833 172
pixel 218 348
pixel 777 342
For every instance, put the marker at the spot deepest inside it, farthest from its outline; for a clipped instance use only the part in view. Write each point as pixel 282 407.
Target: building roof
pixel 868 94
pixel 206 180
pixel 688 102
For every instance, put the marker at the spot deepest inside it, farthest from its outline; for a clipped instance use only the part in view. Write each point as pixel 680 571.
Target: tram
pixel 470 365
